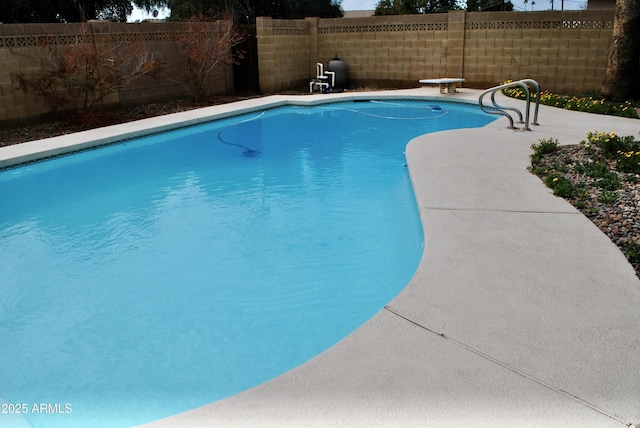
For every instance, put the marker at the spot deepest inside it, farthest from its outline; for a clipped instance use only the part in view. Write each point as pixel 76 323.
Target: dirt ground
pixel 54 128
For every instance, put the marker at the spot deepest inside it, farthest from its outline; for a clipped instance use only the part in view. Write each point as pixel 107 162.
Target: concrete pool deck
pixel 521 313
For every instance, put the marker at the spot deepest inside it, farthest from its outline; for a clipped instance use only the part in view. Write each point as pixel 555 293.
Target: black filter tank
pixel 340 68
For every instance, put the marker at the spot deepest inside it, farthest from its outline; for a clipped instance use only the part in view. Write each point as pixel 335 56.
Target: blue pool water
pixel 147 278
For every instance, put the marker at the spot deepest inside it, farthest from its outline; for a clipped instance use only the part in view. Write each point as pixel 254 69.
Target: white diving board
pixel 447 83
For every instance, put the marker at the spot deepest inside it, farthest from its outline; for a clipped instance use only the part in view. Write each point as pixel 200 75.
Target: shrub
pixel 592 169
pixel 560 185
pixel 629 162
pixel 632 252
pixel 609 181
pixel 610 144
pixel 79 77
pixel 546 146
pixel 543 147
pixel 608 197
pixel 560 167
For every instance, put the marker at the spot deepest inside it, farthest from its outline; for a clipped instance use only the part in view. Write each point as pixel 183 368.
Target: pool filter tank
pixel 340 68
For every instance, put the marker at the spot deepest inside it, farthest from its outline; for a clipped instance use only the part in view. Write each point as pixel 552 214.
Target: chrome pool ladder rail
pixel 499 109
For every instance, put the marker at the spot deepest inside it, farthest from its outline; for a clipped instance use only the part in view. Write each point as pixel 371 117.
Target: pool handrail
pixel 500 109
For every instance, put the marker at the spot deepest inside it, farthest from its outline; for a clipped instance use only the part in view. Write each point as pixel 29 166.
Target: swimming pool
pixel 154 276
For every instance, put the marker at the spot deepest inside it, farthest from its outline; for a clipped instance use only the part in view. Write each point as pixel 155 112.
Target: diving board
pixel 447 83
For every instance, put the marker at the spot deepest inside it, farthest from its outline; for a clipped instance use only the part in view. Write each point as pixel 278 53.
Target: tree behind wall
pixel 206 48
pixel 245 11
pixel 622 80
pixel 489 6
pixel 297 9
pixel 24 11
pixel 412 7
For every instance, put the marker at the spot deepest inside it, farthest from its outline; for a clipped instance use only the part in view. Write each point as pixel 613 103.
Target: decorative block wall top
pixel 71 39
pixel 145 37
pixel 570 20
pixel 118 33
pixel 547 24
pixel 375 28
pixel 54 39
pixel 290 31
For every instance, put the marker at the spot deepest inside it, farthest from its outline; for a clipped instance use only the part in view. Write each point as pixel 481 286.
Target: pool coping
pixel 521 312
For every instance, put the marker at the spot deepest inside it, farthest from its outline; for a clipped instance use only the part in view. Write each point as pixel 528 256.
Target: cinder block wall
pixel 388 51
pixel 284 52
pixel 565 52
pixel 19 44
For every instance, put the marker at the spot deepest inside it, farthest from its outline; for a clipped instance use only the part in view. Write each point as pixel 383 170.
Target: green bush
pixel 609 181
pixel 632 252
pixel 629 162
pixel 560 167
pixel 608 197
pixel 592 169
pixel 560 185
pixel 543 147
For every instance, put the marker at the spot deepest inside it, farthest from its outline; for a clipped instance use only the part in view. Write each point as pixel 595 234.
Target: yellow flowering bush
pixel 608 156
pixel 584 103
pixel 629 162
pixel 609 143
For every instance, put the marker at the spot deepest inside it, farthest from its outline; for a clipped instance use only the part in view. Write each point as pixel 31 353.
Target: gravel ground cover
pixel 54 128
pixel 597 184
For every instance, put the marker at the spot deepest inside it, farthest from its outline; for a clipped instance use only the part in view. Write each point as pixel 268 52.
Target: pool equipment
pixel 248 152
pixel 339 68
pixel 436 109
pixel 324 80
